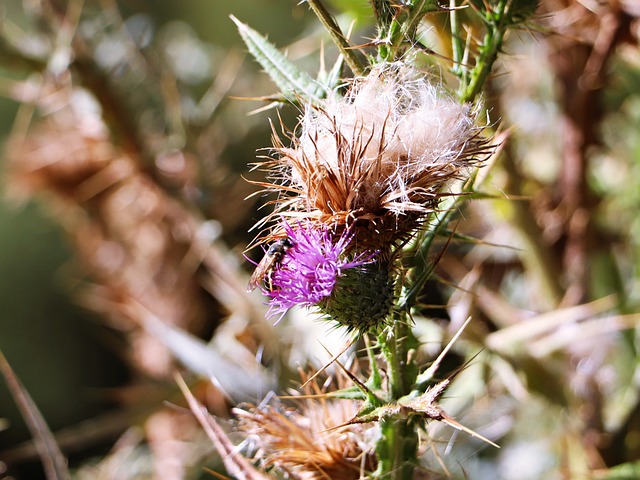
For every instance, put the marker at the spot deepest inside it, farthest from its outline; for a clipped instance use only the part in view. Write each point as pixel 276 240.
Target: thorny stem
pixel 401 30
pixel 396 343
pixel 472 82
pixel 397 447
pixel 338 37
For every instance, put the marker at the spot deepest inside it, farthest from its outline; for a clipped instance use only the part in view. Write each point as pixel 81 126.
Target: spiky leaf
pixel 295 84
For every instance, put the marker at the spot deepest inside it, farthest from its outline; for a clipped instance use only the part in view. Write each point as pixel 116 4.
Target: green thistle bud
pixel 362 297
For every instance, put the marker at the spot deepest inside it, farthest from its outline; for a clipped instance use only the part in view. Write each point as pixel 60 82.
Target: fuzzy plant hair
pixel 377 159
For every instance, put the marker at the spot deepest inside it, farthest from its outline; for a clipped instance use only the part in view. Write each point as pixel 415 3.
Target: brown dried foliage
pixel 136 243
pixel 378 160
pixel 311 441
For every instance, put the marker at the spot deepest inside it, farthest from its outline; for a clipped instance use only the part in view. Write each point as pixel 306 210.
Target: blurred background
pixel 128 130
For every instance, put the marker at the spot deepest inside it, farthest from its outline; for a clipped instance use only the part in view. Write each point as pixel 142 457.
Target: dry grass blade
pixel 527 331
pixel 588 329
pixel 334 358
pixel 430 372
pixel 235 463
pixel 239 381
pixel 53 461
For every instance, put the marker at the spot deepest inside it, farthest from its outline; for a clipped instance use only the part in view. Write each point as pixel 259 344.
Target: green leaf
pixel 352 393
pixel 332 79
pixel 626 471
pixel 295 84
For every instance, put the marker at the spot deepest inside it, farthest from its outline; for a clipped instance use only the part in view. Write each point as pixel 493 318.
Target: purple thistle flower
pixel 309 270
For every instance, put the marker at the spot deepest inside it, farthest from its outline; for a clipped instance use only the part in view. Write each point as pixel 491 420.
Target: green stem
pixel 457 45
pixel 397 447
pixel 488 55
pixel 338 37
pixel 390 38
pixel 472 83
pixel 401 30
pixel 396 343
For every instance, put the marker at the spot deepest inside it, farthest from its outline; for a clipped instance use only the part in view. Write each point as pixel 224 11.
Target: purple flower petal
pixel 309 270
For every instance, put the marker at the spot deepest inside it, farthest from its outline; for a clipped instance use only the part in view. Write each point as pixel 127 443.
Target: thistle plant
pixel 375 170
pixel 129 128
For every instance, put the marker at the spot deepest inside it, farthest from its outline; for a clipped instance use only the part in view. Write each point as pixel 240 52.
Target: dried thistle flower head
pixel 377 159
pixel 305 443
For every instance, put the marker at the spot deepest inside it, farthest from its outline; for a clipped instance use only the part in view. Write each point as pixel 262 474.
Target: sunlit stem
pixel 397 447
pixel 472 82
pixel 337 36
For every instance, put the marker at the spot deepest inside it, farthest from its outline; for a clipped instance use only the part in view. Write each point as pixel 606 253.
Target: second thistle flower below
pixel 351 288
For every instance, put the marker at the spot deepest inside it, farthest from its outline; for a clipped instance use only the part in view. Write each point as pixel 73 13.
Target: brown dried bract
pixel 378 159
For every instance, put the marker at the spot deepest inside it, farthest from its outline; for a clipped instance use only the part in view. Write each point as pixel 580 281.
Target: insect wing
pixel 261 271
pixel 272 256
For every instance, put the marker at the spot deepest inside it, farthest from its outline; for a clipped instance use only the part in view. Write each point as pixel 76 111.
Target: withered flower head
pixel 362 174
pixel 305 443
pixel 377 159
